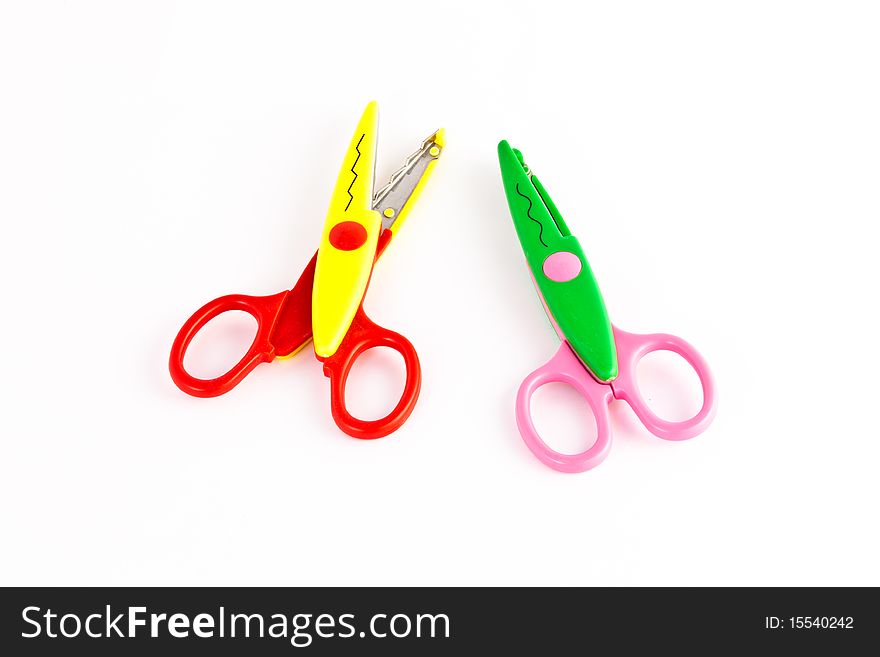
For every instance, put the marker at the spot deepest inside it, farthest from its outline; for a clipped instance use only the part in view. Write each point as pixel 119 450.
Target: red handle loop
pixel 263 309
pixel 363 335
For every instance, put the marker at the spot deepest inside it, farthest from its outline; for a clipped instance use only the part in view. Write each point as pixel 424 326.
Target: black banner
pixel 422 621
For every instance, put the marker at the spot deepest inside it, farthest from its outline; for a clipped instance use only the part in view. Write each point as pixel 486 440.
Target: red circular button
pixel 348 235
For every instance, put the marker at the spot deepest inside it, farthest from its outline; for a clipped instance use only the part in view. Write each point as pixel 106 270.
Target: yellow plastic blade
pixel 348 243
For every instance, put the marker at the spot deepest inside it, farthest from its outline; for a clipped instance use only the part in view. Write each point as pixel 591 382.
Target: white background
pixel 719 163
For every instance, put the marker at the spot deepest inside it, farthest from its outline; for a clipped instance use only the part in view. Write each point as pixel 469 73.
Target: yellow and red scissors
pixel 326 304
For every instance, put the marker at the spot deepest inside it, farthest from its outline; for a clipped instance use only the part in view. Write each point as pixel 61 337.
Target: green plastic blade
pixel 566 285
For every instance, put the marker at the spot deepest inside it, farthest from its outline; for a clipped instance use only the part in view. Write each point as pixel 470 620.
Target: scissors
pixel 326 304
pixel 596 358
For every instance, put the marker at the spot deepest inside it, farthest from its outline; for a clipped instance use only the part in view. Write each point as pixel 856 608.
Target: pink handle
pixel 631 348
pixel 565 367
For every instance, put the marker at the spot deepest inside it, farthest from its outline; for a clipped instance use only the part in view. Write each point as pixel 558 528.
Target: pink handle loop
pixel 263 309
pixel 631 348
pixel 565 367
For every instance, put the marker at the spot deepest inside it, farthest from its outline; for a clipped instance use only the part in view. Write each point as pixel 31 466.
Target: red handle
pixel 284 326
pixel 263 309
pixel 363 335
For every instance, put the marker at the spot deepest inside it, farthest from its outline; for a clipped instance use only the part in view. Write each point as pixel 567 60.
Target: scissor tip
pixel 507 152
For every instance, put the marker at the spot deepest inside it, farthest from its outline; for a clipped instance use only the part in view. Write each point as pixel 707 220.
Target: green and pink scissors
pixel 596 358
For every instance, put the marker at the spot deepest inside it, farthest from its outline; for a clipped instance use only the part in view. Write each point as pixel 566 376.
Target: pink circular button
pixel 562 266
pixel 348 235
